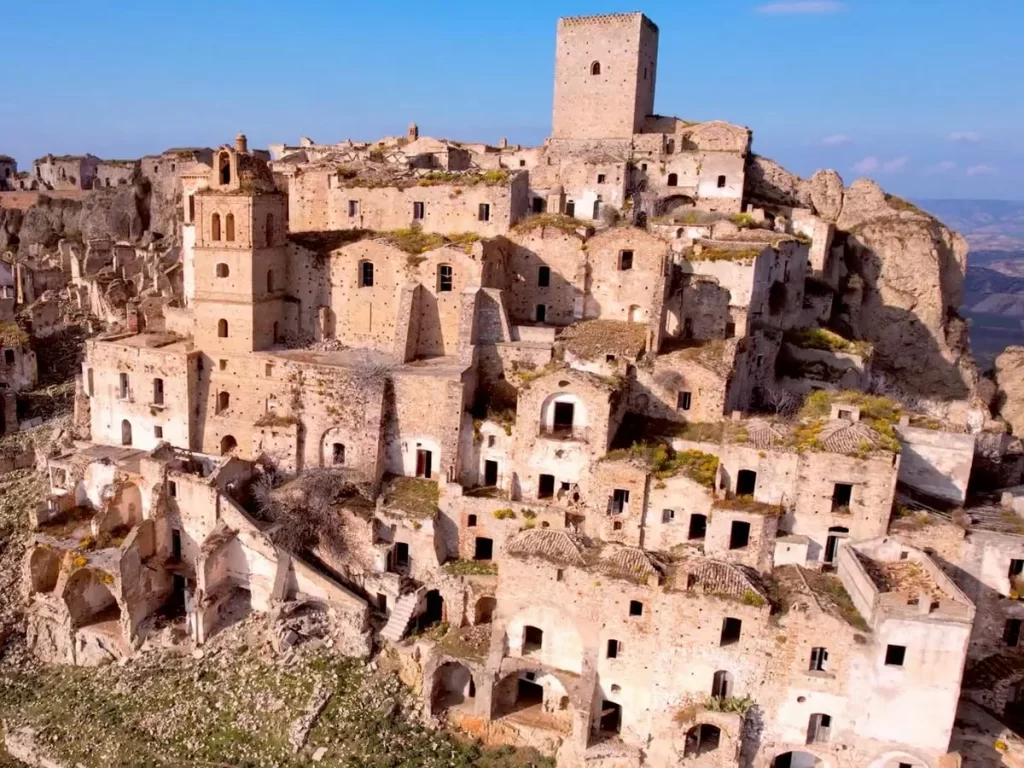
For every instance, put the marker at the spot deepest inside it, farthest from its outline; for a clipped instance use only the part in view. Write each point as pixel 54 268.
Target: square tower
pixel 605 69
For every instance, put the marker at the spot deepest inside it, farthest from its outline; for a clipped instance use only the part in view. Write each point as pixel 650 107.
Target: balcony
pixel 564 432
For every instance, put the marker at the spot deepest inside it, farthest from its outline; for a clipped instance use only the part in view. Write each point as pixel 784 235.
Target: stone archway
pixel 453 686
pixel 797 759
pixel 896 759
pixel 89 599
pixel 483 613
pixel 536 698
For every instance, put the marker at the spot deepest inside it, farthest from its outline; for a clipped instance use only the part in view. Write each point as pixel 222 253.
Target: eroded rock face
pixel 826 190
pixel 912 268
pixel 1009 400
pixel 767 182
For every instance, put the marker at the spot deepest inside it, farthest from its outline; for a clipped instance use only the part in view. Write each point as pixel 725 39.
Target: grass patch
pixel 416 496
pixel 899 204
pixel 471 568
pixel 831 589
pixel 567 224
pixel 11 335
pixel 880 413
pixel 664 462
pixel 506 513
pixel 491 178
pixel 747 503
pixel 824 339
pixel 415 241
pixel 743 220
pixel 726 254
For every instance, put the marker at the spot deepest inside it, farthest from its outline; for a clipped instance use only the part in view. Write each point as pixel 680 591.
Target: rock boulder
pixel 826 191
pixel 1009 400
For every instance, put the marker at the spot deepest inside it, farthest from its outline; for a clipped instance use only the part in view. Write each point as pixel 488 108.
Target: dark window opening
pixel 698 527
pixel 158 391
pixel 683 401
pixel 731 629
pixel 564 415
pixel 353 208
pixel 818 728
pixel 625 260
pixel 366 274
pixel 559 574
pixel 158 433
pixel 1011 633
pixel 401 554
pixel 721 685
pixel 841 497
pixel 484 549
pixel 337 454
pixel 124 388
pixel 484 212
pixel 701 739
pixel 636 608
pixel 739 535
pixel 542 313
pixel 895 655
pixel 172 489
pixel 595 68
pixel 418 210
pixel 225 168
pixel 126 432
pixel 544 277
pixel 533 639
pixel 229 227
pixel 613 649
pixel 730 330
pixel 490 473
pixel 721 182
pixel 620 498
pixel 522 163
pixel 538 204
pixel 819 660
pixel 673 180
pixel 175 544
pixel 222 329
pixel 611 717
pixel 9 356
pixel 668 515
pixel 832 542
pixel 424 463
pixel 191 208
pixel 444 278
pixel 471 521
pixel 1016 566
pixel 223 401
pixel 600 178
pixel 777 298
pixel 546 487
pixel 746 482
pixel 570 208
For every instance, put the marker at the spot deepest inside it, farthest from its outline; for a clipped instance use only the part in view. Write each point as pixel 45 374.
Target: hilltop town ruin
pixel 633 446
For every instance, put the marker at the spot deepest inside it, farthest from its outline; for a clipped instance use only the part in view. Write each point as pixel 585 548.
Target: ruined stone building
pixel 614 473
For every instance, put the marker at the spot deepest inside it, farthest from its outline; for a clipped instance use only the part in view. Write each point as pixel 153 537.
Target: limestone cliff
pixel 1009 400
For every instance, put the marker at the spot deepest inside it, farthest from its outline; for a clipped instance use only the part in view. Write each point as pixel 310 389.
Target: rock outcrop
pixel 912 269
pixel 826 190
pixel 769 183
pixel 1009 400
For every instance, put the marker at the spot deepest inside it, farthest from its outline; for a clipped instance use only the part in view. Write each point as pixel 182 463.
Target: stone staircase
pixel 400 617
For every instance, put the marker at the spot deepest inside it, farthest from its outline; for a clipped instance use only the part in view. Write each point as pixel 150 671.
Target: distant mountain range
pixel 994 287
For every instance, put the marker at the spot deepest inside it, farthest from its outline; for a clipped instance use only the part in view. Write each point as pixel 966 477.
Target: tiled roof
pixel 763 434
pixel 715 577
pixel 630 562
pixel 842 436
pixel 559 546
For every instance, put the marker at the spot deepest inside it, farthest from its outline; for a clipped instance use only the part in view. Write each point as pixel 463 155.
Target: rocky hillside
pixel 904 283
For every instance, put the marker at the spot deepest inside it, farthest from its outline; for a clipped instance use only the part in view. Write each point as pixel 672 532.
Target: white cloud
pixel 970 136
pixel 896 164
pixel 944 167
pixel 837 140
pixel 981 170
pixel 807 6
pixel 867 165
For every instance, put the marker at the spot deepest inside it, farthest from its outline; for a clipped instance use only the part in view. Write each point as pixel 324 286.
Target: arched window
pixel 215 227
pixel 126 432
pixel 673 180
pixel 595 68
pixel 224 164
pixel 270 281
pixel 222 329
pixel 229 227
pixel 227 445
pixel 444 277
pixel 366 274
pixel 270 229
pixel 223 401
pixel 222 270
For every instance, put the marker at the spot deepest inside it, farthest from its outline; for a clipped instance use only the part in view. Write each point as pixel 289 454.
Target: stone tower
pixel 605 70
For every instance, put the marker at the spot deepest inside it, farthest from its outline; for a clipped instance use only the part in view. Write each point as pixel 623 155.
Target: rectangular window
pixel 418 210
pixel 620 499
pixel 1011 633
pixel 739 535
pixel 730 330
pixel 1016 566
pixel 841 496
pixel 223 365
pixel 353 208
pixel 614 646
pixel 546 487
pixel 625 260
pixel 471 521
pixel 721 182
pixel 731 630
pixel 570 208
pixel 444 278
pixel 544 277
pixel 124 388
pixel 542 313
pixel 522 163
pixel 895 655
pixel 559 574
pixel 484 212
pixel 158 433
pixel 600 178
pixel 819 660
pixel 172 489
pixel 158 391
pixel 636 608
pixel 683 401
pixel 668 515
pixel 366 274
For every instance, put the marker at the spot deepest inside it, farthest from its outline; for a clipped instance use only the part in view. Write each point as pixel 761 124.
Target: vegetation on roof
pixel 664 462
pixel 593 339
pixel 471 568
pixel 416 496
pixel 747 503
pixel 489 178
pixel 880 413
pixel 726 254
pixel 743 220
pixel 415 241
pixel 829 341
pixel 559 221
pixel 11 335
pixel 830 589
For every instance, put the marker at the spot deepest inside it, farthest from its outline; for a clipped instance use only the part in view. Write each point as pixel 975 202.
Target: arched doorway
pixel 537 698
pixel 453 687
pixel 227 445
pixel 796 759
pixel 484 612
pixel 434 613
pixel 126 432
pixel 701 739
pixel 89 600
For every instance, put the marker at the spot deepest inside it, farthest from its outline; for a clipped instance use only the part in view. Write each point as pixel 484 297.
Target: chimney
pixel 241 143
pixel 414 132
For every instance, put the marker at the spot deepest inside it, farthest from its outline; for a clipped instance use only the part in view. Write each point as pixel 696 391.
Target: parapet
pixel 608 19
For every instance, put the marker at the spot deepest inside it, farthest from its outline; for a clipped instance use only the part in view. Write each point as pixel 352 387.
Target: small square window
pixel 600 178
pixel 158 432
pixel 895 655
pixel 617 525
pixel 522 163
pixel 609 358
pixel 668 515
pixel 625 260
pixel 683 401
pixel 636 608
pixel 471 521
pixel 268 370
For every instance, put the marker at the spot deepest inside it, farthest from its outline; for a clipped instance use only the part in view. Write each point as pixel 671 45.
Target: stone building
pixel 8 173
pixel 66 171
pixel 578 400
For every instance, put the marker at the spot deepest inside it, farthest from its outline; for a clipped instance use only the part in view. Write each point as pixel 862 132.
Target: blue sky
pixel 926 96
